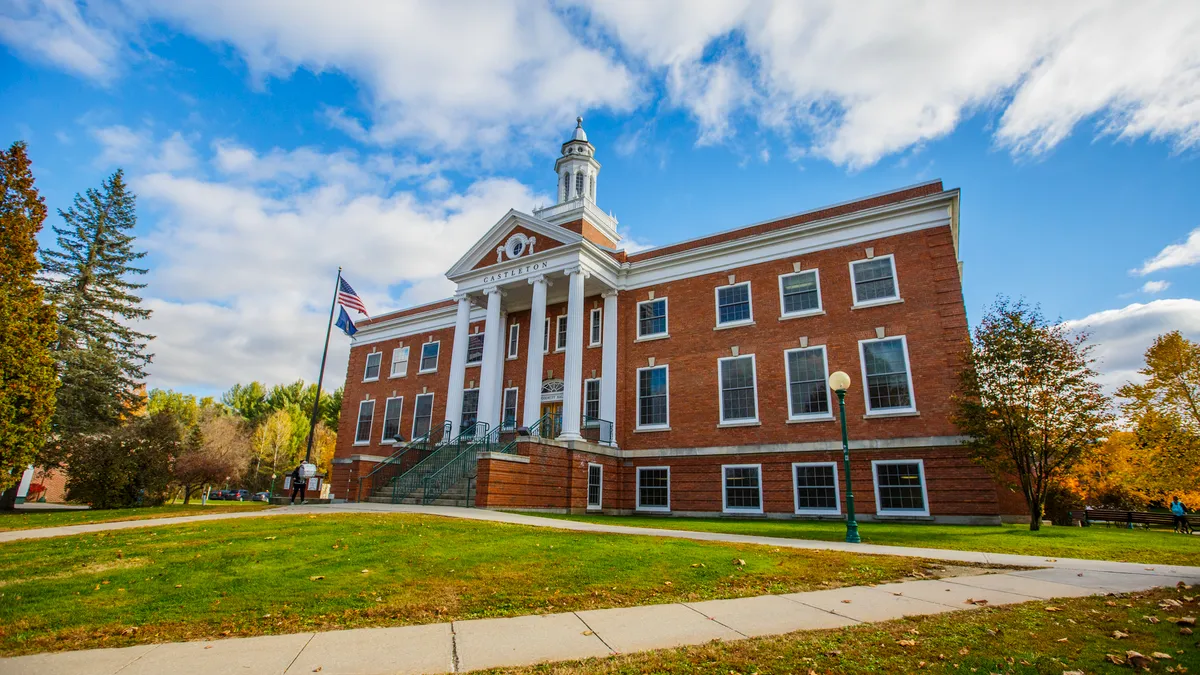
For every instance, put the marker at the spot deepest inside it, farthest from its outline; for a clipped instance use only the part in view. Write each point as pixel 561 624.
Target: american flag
pixel 347 297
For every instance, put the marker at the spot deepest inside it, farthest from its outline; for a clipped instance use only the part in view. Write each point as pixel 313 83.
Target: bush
pixel 129 466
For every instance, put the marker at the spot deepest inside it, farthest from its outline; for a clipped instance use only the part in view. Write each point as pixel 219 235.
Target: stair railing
pixel 597 430
pixel 403 457
pixel 461 466
pixel 412 480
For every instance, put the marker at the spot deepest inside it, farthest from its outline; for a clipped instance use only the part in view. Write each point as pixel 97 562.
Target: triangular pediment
pixel 491 247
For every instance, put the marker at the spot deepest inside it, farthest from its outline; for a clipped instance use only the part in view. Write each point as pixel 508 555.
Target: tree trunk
pixel 187 494
pixel 1036 509
pixel 8 500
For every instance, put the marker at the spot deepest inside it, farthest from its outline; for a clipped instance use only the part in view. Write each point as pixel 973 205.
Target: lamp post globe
pixel 839 382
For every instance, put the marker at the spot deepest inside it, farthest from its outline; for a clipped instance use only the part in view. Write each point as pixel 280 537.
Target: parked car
pixel 217 495
pixel 239 495
pixel 262 497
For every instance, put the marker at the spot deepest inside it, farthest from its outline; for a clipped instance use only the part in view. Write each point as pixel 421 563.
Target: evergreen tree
pixel 27 377
pixel 88 279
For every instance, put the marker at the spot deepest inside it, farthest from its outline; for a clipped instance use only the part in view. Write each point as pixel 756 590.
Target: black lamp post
pixel 839 382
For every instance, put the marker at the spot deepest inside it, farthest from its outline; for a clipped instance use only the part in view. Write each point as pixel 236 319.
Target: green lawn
pixel 1018 639
pixel 287 574
pixel 26 520
pixel 1096 542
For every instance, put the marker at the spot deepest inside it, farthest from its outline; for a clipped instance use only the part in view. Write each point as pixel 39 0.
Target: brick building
pixel 568 374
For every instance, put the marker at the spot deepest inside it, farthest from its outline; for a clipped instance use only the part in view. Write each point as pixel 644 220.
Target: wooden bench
pixel 1126 518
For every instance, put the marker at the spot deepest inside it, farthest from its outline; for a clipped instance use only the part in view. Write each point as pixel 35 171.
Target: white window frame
pixel 514 341
pixel 546 338
pixel 787 383
pixel 876 301
pixel 666 320
pixel 749 302
pixel 837 492
pixel 517 407
pixel 358 418
pixel 407 351
pixel 416 403
pixel 383 440
pixel 725 507
pixel 437 359
pixel 637 489
pixel 596 327
pixel 924 488
pixel 600 504
pixel 721 398
pixel 460 424
pixel 820 308
pixel 470 364
pixel 378 366
pixel 912 395
pixel 560 333
pixel 585 399
pixel 637 417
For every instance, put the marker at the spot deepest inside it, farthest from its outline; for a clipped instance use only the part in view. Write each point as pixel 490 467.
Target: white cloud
pixel 1155 286
pixel 55 31
pixel 120 145
pixel 1121 336
pixel 1175 255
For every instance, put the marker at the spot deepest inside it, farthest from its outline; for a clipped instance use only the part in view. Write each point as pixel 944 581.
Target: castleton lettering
pixel 516 272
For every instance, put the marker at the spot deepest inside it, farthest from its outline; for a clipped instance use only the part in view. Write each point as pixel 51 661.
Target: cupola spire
pixel 577 168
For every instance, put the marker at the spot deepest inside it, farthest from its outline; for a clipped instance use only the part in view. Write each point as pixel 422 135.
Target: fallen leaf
pixel 981 602
pixel 1113 658
pixel 1185 631
pixel 1118 635
pixel 739 562
pixel 906 643
pixel 1054 609
pixel 1186 621
pixel 846 601
pixel 178 585
pixel 1061 640
pixel 268 538
pixel 697 564
pixel 1137 660
pixel 366 571
pixel 1151 619
pixel 964 651
pixel 587 632
pixel 1160 655
pixel 317 578
pixel 317 669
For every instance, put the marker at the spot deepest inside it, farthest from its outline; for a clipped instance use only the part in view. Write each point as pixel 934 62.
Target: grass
pixel 27 520
pixel 1097 542
pixel 288 574
pixel 1017 639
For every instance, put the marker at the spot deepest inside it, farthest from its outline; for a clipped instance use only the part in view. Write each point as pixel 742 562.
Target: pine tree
pixel 88 279
pixel 27 377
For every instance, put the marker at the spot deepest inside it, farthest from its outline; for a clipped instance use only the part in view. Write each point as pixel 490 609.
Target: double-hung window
pixel 422 415
pixel 654 488
pixel 653 398
pixel 474 349
pixel 560 334
pixel 509 415
pixel 874 280
pixel 596 326
pixel 799 294
pixel 739 389
pixel 741 488
pixel 470 409
pixel 808 393
pixel 546 338
pixel 733 305
pixel 366 415
pixel 591 401
pixel 371 372
pixel 652 318
pixel 514 340
pixel 595 486
pixel 399 362
pixel 900 487
pixel 816 488
pixel 429 357
pixel 887 375
pixel 391 419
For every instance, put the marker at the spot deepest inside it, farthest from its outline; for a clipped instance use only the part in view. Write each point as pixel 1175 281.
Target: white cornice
pixel 580 208
pixel 489 241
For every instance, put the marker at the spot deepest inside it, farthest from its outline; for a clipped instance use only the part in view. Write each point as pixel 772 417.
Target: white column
pixel 490 372
pixel 498 393
pixel 533 363
pixel 573 369
pixel 571 185
pixel 458 364
pixel 608 364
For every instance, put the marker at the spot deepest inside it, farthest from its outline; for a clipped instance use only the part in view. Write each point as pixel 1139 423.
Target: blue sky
pixel 271 141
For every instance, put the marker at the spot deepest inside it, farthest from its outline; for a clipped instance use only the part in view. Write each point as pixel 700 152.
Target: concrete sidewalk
pixel 462 646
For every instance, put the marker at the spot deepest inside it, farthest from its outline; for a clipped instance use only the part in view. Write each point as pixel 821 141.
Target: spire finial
pixel 578 122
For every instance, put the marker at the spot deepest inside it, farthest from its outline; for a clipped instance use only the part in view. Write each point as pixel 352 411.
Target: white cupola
pixel 577 168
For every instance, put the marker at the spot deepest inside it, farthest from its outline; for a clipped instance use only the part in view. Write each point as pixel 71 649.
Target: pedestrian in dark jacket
pixel 299 484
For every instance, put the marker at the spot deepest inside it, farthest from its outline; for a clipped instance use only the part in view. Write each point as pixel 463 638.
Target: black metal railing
pixel 403 458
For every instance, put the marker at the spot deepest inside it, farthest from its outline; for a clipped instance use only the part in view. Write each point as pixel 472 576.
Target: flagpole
pixel 312 427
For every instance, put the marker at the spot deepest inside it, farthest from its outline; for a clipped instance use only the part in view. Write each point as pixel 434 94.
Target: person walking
pixel 1180 512
pixel 299 484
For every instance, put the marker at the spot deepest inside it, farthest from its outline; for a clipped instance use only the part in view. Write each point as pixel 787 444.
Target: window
pixel 874 280
pixel 470 409
pixel 597 326
pixel 399 362
pixel 652 399
pixel 816 487
pixel 474 349
pixel 578 185
pixel 886 372
pixel 391 419
pixel 742 487
pixel 800 293
pixel 429 357
pixel 808 394
pixel 546 338
pixel 900 487
pixel 595 486
pixel 654 488
pixel 591 401
pixel 514 340
pixel 366 415
pixel 733 304
pixel 560 335
pixel 509 416
pixel 422 416
pixel 652 318
pixel 739 397
pixel 371 373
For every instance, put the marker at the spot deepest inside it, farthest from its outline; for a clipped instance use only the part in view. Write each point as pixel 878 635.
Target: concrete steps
pixel 461 494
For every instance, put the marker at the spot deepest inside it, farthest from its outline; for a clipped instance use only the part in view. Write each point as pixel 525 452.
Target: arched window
pixel 566 186
pixel 579 184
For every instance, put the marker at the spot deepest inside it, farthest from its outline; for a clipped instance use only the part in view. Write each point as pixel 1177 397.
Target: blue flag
pixel 344 322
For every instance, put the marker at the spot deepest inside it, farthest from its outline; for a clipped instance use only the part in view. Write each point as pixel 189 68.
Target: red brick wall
pixel 554 478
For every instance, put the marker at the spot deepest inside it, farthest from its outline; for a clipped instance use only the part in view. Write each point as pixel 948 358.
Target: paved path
pixel 462 646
